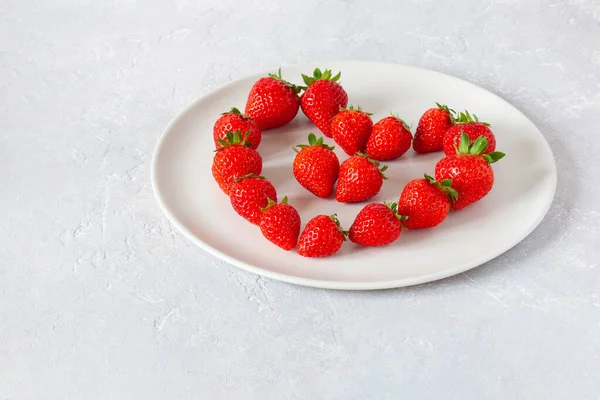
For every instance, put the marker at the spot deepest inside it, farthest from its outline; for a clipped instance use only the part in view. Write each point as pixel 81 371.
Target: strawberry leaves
pixel 445 108
pixel 466 118
pixel 493 156
pixel 394 208
pixel 271 203
pixel 234 138
pixel 337 222
pixel 317 75
pixel 278 76
pixel 476 148
pixel 236 111
pixel 313 141
pixel 375 163
pixel 404 124
pixel 450 112
pixel 352 108
pixel 250 175
pixel 445 186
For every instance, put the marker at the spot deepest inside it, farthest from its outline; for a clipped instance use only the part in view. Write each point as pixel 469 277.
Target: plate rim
pixel 332 284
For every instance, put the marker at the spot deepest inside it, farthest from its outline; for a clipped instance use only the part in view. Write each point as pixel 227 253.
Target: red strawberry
pixel 280 224
pixel 432 127
pixel 470 171
pixel 234 159
pixel 472 127
pixel 377 224
pixel 323 236
pixel 249 194
pixel 273 102
pixel 389 139
pixel 351 128
pixel 426 202
pixel 322 98
pixel 316 166
pixel 360 179
pixel 235 121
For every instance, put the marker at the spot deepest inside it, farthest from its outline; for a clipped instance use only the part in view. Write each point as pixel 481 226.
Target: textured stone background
pixel 101 299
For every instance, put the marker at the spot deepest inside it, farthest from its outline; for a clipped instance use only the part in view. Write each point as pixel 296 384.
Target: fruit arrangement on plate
pixel 462 177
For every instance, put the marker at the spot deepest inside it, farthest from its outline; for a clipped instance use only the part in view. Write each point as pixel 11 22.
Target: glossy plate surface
pixel 525 181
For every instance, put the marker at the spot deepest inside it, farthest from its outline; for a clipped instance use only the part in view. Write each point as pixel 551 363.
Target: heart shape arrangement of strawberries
pixel 462 177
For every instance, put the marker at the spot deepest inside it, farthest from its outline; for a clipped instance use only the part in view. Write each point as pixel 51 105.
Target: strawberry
pixel 322 98
pixel 389 139
pixel 323 236
pixel 473 128
pixel 234 159
pixel 280 224
pixel 470 171
pixel 249 194
pixel 351 128
pixel 377 224
pixel 316 166
pixel 235 121
pixel 360 179
pixel 432 127
pixel 426 202
pixel 273 102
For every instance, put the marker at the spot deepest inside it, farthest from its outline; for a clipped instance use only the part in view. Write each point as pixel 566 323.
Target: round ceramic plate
pixel 525 181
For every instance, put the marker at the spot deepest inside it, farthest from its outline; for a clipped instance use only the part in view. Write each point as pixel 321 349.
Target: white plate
pixel 525 181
